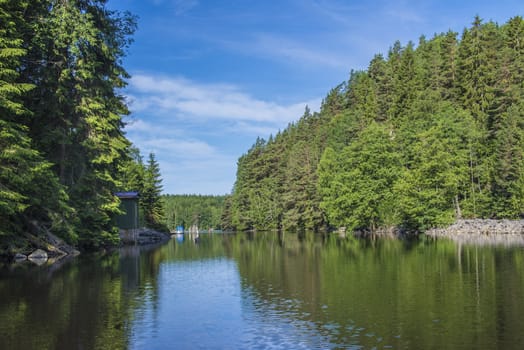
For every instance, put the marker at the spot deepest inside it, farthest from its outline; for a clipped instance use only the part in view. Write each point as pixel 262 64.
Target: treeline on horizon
pixel 63 153
pixel 204 211
pixel 427 134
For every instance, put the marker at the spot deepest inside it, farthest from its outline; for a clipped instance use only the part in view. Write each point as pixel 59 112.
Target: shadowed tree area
pixel 63 152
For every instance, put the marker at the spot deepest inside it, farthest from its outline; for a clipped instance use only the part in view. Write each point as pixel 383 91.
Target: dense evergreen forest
pixel 63 153
pixel 187 210
pixel 427 134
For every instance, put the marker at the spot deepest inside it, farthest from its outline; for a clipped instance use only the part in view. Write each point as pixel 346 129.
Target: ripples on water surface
pixel 270 291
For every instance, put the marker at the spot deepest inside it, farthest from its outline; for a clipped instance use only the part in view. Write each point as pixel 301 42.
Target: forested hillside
pixel 427 134
pixel 63 153
pixel 187 210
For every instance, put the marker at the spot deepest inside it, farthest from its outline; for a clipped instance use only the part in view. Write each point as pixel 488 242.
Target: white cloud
pixel 184 99
pixel 198 131
pixel 162 141
pixel 188 149
pixel 141 126
pixel 299 52
pixel 312 53
pixel 187 165
pixel 251 128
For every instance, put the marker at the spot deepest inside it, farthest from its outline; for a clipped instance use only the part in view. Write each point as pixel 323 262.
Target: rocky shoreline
pixel 482 232
pixel 46 248
pixel 49 249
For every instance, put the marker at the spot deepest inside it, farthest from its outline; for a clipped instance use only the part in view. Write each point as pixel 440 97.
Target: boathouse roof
pixel 127 195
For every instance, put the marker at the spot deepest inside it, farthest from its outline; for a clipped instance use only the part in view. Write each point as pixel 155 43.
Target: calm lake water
pixel 270 291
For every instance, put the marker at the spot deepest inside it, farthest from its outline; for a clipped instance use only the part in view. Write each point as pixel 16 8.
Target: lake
pixel 269 291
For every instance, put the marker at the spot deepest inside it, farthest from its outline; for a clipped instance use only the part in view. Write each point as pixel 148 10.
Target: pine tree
pixel 362 98
pixel 508 177
pixel 301 200
pixel 380 73
pixel 132 171
pixel 74 61
pixel 226 214
pixel 405 85
pixel 508 87
pixel 478 59
pixel 31 200
pixel 448 69
pixel 434 185
pixel 150 198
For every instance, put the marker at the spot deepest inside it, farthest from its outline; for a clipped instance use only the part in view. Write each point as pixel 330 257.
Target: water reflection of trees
pixel 88 303
pixel 370 293
pixel 388 292
pixel 78 306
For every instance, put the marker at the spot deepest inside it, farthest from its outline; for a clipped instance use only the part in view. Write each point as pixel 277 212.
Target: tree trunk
pixel 458 212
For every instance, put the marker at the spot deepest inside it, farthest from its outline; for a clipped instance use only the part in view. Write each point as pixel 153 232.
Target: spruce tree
pixel 74 61
pixel 150 198
pixel 31 200
pixel 508 177
pixel 434 187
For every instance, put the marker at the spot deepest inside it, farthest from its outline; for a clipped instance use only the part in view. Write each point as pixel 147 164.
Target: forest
pixel 187 210
pixel 63 152
pixel 427 134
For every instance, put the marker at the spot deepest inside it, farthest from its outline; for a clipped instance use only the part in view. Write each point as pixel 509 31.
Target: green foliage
pixel 426 135
pixel 187 210
pixel 356 184
pixel 508 180
pixel 150 196
pixel 301 211
pixel 61 140
pixel 31 199
pixel 132 171
pixel 436 181
pixel 276 180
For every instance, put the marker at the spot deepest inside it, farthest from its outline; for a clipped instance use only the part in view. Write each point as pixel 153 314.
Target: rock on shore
pixel 483 231
pixel 41 249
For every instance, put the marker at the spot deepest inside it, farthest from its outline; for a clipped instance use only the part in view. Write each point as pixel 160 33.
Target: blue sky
pixel 209 76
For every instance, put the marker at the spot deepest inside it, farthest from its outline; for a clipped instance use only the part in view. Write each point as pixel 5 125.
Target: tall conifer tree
pixel 150 198
pixel 31 200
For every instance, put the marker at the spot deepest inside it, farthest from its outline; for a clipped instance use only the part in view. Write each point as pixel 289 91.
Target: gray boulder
pixel 20 257
pixel 38 257
pixel 38 254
